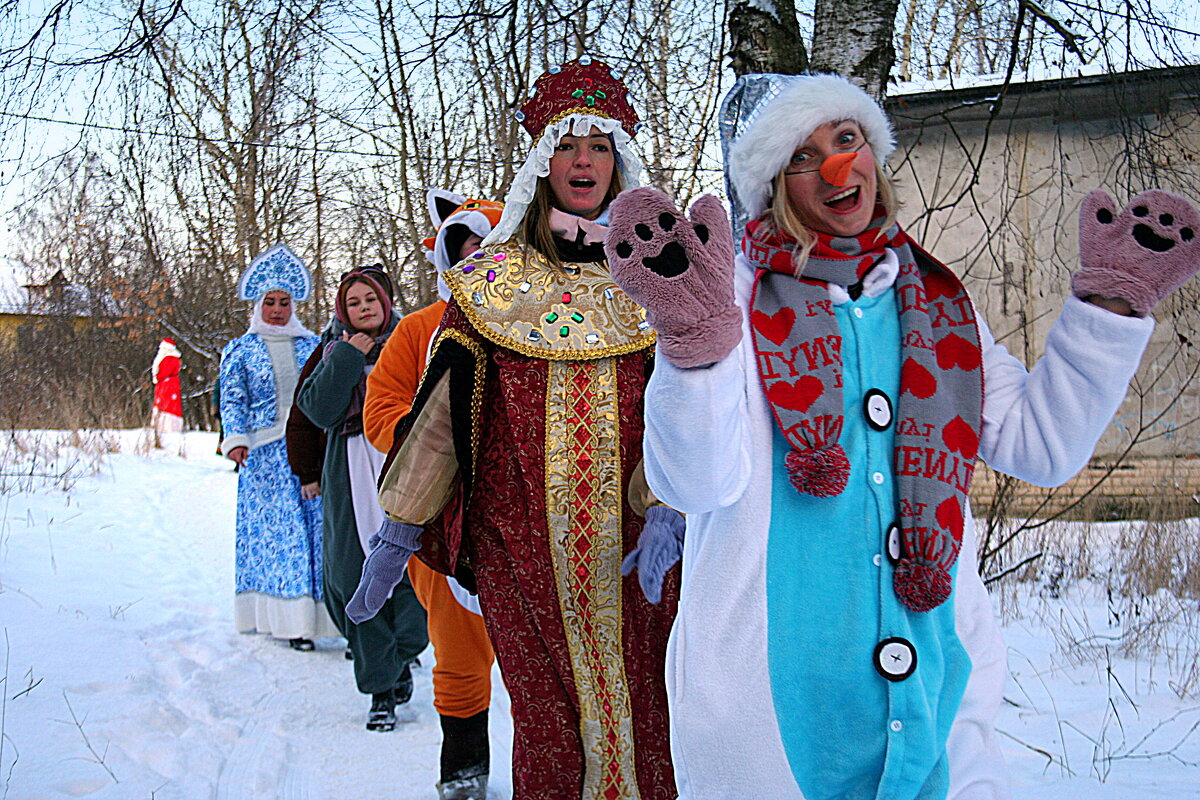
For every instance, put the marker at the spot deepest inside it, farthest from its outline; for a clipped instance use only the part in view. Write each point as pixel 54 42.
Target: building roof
pixel 20 294
pixel 14 294
pixel 1089 94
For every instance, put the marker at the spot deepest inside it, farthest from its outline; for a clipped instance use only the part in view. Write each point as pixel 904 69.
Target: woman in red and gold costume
pixel 519 467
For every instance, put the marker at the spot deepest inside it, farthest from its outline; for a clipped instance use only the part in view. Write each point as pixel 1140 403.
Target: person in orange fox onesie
pixel 462 685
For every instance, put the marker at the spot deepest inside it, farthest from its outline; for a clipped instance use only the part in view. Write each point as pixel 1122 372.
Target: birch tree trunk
pixel 854 38
pixel 765 41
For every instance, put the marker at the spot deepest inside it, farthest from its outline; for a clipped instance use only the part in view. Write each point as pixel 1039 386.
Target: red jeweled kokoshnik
pixel 585 86
pixel 797 342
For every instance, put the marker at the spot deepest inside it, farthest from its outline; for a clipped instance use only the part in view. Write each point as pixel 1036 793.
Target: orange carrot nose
pixel 836 169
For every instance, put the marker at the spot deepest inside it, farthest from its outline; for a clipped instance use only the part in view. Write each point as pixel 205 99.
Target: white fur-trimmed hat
pixel 783 122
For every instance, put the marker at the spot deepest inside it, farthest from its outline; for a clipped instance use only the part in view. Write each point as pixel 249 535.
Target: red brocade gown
pixel 522 456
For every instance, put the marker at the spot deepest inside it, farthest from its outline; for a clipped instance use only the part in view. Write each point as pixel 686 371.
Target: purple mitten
pixel 679 270
pixel 1140 254
pixel 391 548
pixel 658 548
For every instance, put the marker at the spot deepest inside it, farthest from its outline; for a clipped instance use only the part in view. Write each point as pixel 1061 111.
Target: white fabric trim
pixel 465 599
pixel 432 195
pixel 878 280
pixel 363 463
pixel 282 617
pixel 293 328
pixel 233 442
pixel 537 165
pixel 282 352
pixel 162 422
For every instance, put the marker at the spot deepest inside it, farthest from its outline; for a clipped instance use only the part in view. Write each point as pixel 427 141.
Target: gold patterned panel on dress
pixel 517 300
pixel 583 510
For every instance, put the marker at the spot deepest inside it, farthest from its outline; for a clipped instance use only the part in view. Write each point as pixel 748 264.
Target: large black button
pixel 877 408
pixel 895 658
pixel 894 548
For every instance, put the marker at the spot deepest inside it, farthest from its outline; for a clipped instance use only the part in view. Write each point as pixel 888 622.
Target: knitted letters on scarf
pixel 938 422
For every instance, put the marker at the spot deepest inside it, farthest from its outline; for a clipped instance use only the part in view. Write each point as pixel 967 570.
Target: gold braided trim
pixel 584 515
pixel 476 390
pixel 560 116
pixel 523 304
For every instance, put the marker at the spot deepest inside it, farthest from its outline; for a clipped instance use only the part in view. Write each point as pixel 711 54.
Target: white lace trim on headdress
pixel 292 329
pixel 537 165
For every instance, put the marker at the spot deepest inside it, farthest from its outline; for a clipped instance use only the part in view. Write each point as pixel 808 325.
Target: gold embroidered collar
pixel 516 299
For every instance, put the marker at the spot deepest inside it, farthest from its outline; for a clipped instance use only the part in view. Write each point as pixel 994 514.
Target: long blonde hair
pixel 782 217
pixel 535 227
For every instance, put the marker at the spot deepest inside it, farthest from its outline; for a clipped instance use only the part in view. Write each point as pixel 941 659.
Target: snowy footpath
pixel 123 678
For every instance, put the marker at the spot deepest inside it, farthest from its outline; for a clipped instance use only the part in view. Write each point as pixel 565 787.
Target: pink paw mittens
pixel 680 270
pixel 1139 254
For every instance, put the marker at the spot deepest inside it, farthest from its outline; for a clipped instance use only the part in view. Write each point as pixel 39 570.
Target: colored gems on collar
pixel 520 302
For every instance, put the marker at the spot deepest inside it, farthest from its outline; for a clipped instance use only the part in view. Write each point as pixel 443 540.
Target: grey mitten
pixel 1139 254
pixel 383 570
pixel 680 270
pixel 658 549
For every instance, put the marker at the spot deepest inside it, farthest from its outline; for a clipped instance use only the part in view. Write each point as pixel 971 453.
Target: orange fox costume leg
pixel 462 676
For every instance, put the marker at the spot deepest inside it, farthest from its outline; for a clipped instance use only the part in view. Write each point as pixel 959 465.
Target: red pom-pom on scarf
pixel 921 587
pixel 821 473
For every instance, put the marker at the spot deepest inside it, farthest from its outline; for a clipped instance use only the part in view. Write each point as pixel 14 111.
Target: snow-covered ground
pixel 123 678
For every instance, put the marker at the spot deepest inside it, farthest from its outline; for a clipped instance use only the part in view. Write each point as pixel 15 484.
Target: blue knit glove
pixel 658 549
pixel 383 570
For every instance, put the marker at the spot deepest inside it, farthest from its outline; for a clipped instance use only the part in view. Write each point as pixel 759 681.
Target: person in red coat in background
pixel 167 416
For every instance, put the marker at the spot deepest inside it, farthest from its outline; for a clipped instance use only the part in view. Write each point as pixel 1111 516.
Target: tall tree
pixel 854 38
pixel 765 37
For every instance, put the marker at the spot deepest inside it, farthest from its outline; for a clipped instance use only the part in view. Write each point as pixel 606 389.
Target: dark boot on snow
pixel 404 688
pixel 466 757
pixel 382 716
pixel 474 788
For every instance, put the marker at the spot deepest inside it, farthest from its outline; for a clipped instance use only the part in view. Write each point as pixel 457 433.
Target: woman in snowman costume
pixel 817 412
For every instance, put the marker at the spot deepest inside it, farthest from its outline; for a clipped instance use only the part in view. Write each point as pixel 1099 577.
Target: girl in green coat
pixel 332 397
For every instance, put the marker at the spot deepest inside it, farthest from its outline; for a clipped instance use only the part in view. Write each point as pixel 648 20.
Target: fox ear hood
pixel 782 112
pixel 441 204
pixel 469 216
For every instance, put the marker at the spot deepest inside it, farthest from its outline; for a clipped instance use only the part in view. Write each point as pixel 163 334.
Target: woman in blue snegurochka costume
pixel 278 549
pixel 817 411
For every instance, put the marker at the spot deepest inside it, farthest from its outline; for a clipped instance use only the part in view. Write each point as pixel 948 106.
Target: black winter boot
pixel 466 757
pixel 382 716
pixel 404 688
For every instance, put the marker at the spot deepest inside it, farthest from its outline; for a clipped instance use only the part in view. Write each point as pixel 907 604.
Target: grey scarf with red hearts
pixel 938 422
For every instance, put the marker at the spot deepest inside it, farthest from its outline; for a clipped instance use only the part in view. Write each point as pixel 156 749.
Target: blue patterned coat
pixel 278 548
pixel 248 400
